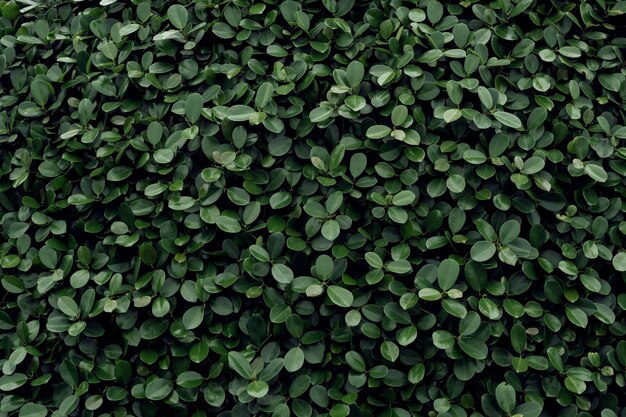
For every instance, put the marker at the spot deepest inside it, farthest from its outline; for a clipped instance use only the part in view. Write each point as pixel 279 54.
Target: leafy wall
pixel 317 208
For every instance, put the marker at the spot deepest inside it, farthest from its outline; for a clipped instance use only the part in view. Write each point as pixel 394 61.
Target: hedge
pixel 335 208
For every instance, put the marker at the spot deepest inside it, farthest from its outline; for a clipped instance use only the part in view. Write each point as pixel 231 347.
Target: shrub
pixel 322 208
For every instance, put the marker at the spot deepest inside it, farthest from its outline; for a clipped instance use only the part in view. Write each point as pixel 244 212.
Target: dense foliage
pixel 319 208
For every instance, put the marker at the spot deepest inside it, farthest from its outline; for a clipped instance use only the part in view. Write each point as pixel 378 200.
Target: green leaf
pixel 619 262
pixel 48 257
pixel 417 373
pixel 443 339
pixel 356 103
pixel 596 172
pixel 570 52
pixel 452 115
pixel 331 229
pixel 214 394
pixel 610 82
pixel 282 273
pixel 536 118
pixel 303 21
pixel 68 306
pixel 158 389
pixel 257 389
pixel 486 230
pixel 575 385
pixel 354 73
pixel 508 119
pixel 378 132
pixel 429 294
pixel 447 273
pixel 474 157
pixel 129 29
pixel 505 396
pixel 240 113
pixel 473 347
pixel 374 260
pixel 177 14
pixel 533 165
pixel 119 173
pixel 40 91
pixel 33 410
pixel 355 361
pixel 518 338
pixel 154 190
pixel 238 363
pixel 577 316
pixel 455 92
pixel 454 307
pixel 509 231
pixel 523 48
pixel 455 183
pixel 399 115
pixel 294 359
pixel 228 224
pixel 223 30
pixel 403 198
pixel 193 107
pixel 482 251
pixel 489 308
pixel 105 86
pixel 340 296
pixel 193 317
pixel 264 95
pixel 528 410
pixel 320 114
pixel 389 351
pixel 485 97
pixel 189 379
pixel 12 382
pixel 68 405
pixel 604 313
pixel 152 329
pixel 168 35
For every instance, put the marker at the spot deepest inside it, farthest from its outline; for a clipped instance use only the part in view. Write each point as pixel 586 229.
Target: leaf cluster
pixel 313 209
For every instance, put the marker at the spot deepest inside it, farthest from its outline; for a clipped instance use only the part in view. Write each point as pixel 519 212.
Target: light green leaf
pixel 238 363
pixel 619 262
pixel 596 172
pixel 509 231
pixel 389 350
pixel 240 113
pixel 294 359
pixel 403 198
pixel 282 273
pixel 68 306
pixel 177 14
pixel 193 107
pixel 158 389
pixel 258 389
pixel 354 73
pixel 33 410
pixel 505 396
pixel 320 114
pixel 340 296
pixel 378 132
pixel 447 273
pixel 264 94
pixel 483 251
pixel 577 316
pixel 508 119
pixel 443 339
pixel 228 224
